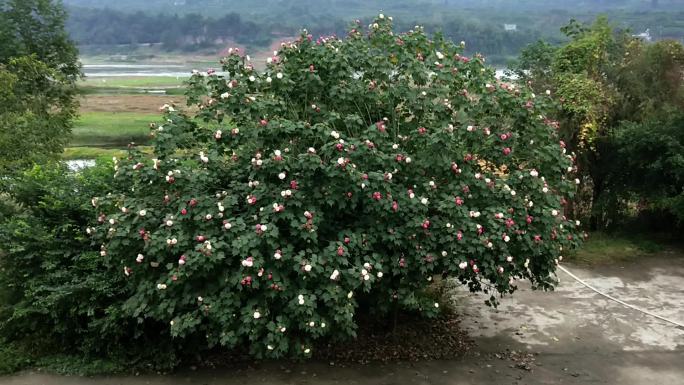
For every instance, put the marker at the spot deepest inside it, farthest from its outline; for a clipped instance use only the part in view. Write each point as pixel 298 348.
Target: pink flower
pixel 459 235
pixel 529 219
pixel 247 281
pixel 506 150
pixel 308 215
pixel 249 262
pixel 377 195
pixel 184 212
pixel 426 224
pixel 380 126
pixel 201 238
pixel 181 260
pixel 402 262
pixel 459 201
pixel 263 122
pixel 252 200
pixel 509 222
pixel 395 206
pixel 454 168
pixel 537 238
pixel 340 251
pixel 422 130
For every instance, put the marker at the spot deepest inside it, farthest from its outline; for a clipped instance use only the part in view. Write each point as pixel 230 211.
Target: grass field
pixel 603 248
pixel 112 129
pixel 135 82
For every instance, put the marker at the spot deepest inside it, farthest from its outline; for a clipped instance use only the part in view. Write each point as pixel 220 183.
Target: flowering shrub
pixel 342 178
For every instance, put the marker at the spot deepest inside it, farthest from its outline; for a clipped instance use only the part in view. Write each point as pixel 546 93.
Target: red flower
pixel 184 212
pixel 294 185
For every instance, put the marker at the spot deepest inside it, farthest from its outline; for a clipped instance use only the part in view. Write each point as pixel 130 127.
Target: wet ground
pixel 570 336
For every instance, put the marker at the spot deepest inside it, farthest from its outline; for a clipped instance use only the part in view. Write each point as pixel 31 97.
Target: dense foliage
pixel 621 105
pixel 38 72
pixel 341 179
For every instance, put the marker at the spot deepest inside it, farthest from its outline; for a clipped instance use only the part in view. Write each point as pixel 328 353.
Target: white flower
pixel 279 75
pixel 448 225
pixel 379 274
pixel 534 173
pixel 225 95
pixel 407 160
pixel 282 175
pixel 142 213
pixel 312 324
pixel 577 223
pixel 269 79
pixel 444 253
pixel 424 201
pixel 432 183
pixel 174 241
pixel 300 299
pixel 252 78
pixel 507 238
pixel 307 351
pixel 350 294
pixel 490 245
pixel 527 263
pixel 161 286
pixel 364 272
pixel 340 161
pixel 227 225
pixel 140 258
pixel 545 189
pixel 412 195
pixel 335 134
pixel 249 262
pixel 311 150
pixel 513 192
pixel 530 204
pixel 463 265
pixel 269 347
pixel 554 212
pixel 436 305
pixel 509 258
pixel 307 268
pixel 577 181
pixel 381 16
pixel 169 223
pixel 334 275
pixel 440 55
pixel 322 325
pixel 257 315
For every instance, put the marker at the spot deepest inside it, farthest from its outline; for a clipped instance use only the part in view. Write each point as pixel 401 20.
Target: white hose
pixel 678 324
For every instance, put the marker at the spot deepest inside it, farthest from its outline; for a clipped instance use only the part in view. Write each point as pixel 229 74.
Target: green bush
pixel 59 297
pixel 351 173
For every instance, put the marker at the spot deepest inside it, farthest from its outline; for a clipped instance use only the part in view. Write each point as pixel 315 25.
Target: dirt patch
pixel 413 339
pixel 148 104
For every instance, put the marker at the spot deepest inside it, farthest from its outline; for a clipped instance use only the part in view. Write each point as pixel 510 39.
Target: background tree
pixel 39 69
pixel 620 108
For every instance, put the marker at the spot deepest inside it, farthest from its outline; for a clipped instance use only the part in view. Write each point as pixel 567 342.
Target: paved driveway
pixel 570 336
